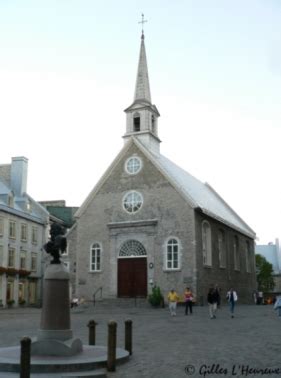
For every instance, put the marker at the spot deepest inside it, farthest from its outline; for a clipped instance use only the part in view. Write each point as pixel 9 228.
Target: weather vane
pixel 142 22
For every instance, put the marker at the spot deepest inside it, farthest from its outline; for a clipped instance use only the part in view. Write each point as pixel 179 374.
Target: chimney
pixel 19 175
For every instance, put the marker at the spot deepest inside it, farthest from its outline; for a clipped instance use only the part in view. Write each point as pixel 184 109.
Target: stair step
pixel 123 302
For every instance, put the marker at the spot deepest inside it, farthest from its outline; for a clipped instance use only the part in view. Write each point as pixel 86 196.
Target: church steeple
pixel 142 115
pixel 142 90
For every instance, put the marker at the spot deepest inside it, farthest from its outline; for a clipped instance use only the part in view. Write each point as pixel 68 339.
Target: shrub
pixel 156 298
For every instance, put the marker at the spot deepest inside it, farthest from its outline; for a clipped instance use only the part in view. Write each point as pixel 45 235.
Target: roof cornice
pixel 135 134
pixel 21 214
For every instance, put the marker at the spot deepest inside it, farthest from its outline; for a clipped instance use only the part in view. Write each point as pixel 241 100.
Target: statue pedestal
pixel 55 338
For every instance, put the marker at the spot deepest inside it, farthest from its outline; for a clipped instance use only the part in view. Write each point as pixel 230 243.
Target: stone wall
pixel 164 214
pixel 104 221
pixel 242 281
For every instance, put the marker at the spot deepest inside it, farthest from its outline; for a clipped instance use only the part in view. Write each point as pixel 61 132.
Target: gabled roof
pixel 196 193
pixel 199 195
pixel 4 189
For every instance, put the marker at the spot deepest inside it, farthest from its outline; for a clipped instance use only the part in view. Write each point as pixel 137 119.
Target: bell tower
pixel 142 115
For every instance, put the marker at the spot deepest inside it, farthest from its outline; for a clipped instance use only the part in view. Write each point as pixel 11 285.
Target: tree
pixel 264 271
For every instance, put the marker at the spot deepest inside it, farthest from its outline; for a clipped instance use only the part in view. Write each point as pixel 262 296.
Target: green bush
pixel 156 298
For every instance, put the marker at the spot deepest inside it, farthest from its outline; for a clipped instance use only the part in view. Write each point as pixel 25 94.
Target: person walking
pixel 277 305
pixel 211 303
pixel 188 297
pixel 173 299
pixel 217 296
pixel 232 297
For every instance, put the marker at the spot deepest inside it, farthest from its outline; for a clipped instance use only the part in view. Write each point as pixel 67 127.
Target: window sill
pixel 95 271
pixel 172 270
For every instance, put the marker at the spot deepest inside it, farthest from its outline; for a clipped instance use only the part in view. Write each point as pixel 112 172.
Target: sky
pixel 68 70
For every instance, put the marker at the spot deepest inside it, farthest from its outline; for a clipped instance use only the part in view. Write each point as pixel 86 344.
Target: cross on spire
pixel 142 22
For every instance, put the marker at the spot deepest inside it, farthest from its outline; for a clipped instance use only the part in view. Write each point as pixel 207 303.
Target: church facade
pixel 149 222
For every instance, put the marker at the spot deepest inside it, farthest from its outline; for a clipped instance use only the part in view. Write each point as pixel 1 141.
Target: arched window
pixel 236 253
pixel 132 248
pixel 136 122
pixel 248 257
pixel 222 249
pixel 206 244
pixel 95 258
pixel 172 254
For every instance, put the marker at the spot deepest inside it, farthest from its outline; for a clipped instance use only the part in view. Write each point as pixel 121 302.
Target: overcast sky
pixel 68 70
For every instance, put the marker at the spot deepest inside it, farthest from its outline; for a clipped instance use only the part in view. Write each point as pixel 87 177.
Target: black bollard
pixel 111 346
pixel 128 335
pixel 92 332
pixel 25 357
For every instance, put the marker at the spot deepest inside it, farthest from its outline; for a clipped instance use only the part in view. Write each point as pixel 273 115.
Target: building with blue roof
pixel 23 232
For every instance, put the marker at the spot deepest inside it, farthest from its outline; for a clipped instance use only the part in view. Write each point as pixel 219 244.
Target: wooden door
pixel 132 277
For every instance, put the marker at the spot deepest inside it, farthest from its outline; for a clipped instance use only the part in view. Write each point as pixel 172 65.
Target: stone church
pixel 149 222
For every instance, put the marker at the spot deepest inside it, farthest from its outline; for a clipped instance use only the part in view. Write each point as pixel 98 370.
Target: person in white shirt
pixel 232 298
pixel 277 305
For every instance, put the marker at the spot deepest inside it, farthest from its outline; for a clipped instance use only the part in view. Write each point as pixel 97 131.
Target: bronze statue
pixel 57 244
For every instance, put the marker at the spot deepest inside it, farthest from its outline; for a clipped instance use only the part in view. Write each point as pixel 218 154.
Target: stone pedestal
pixel 55 338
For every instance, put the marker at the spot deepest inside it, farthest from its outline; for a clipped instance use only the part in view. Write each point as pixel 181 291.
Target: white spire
pixel 142 115
pixel 142 89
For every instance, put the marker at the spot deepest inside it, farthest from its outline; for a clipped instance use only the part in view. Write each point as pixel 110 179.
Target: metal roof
pixel 199 194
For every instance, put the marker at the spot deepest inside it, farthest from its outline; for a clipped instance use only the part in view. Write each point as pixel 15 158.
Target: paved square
pixel 181 346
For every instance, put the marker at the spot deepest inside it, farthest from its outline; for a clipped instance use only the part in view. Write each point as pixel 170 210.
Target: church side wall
pixel 242 281
pixel 106 222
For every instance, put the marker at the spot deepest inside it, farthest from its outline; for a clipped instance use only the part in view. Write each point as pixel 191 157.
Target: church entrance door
pixel 132 277
pixel 132 270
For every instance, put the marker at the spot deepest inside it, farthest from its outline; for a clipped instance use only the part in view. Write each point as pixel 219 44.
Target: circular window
pixel 132 202
pixel 133 165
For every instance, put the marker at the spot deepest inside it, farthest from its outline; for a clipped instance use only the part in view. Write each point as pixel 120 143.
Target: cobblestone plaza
pixel 163 346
